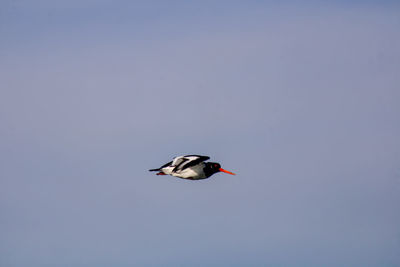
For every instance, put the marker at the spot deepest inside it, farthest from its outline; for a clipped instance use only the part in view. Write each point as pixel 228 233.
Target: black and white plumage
pixel 192 167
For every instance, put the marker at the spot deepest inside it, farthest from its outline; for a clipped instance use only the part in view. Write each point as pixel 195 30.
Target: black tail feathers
pixel 154 170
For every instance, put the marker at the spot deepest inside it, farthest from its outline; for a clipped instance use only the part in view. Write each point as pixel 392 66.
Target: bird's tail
pixel 154 170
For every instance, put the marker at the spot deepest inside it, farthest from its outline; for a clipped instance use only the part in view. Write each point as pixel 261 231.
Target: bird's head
pixel 215 167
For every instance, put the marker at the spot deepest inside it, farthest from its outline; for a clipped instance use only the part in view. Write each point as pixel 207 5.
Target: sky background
pixel 299 98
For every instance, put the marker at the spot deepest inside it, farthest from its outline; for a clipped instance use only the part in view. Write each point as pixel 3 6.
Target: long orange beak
pixel 225 171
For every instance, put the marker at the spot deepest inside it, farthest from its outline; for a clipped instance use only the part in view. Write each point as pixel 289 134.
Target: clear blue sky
pixel 299 98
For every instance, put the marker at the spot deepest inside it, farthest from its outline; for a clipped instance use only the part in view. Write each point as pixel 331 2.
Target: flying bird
pixel 191 167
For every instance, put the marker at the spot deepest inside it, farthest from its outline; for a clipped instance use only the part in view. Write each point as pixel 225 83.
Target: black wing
pixel 190 160
pixel 163 166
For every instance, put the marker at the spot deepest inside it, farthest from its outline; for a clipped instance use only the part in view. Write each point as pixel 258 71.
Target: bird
pixel 190 167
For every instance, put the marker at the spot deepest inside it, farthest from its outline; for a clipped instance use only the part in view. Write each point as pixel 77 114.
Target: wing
pixel 163 166
pixel 188 161
pixel 166 165
pixel 178 160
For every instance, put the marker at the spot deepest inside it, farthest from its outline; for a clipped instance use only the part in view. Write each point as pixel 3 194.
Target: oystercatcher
pixel 191 167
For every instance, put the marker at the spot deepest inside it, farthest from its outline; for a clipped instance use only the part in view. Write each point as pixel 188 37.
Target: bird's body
pixel 190 167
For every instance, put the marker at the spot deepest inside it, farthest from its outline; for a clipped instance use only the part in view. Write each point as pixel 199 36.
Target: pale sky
pixel 299 98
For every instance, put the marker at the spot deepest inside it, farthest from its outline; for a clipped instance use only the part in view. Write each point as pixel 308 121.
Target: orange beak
pixel 225 171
